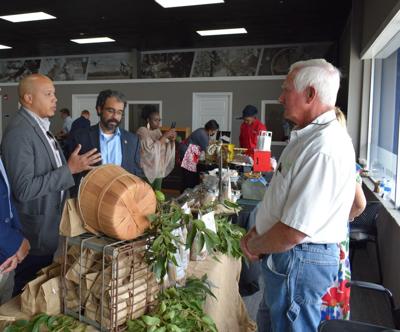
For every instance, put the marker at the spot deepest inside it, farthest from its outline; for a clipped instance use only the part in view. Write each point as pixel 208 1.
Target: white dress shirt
pixel 313 187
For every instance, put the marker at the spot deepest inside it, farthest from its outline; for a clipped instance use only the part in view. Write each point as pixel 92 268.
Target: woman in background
pixel 189 152
pixel 336 301
pixel 157 156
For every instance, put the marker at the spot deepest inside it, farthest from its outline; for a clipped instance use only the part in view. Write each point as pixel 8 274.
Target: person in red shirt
pixel 250 129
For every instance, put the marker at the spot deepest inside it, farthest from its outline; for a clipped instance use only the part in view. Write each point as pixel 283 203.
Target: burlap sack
pixel 49 297
pixel 71 223
pixel 29 304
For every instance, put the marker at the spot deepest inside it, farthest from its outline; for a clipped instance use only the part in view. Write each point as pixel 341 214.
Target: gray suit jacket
pixel 35 180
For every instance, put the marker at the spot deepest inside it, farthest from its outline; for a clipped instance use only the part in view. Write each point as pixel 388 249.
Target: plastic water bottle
pixel 382 187
pixel 387 190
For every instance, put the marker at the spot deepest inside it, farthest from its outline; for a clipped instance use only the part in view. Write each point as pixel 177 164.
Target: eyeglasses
pixel 53 139
pixel 114 112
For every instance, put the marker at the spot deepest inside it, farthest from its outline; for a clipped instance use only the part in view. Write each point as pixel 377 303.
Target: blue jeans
pixel 295 282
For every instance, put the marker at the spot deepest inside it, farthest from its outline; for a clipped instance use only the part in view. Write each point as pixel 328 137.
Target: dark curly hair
pixel 211 125
pixel 105 94
pixel 148 111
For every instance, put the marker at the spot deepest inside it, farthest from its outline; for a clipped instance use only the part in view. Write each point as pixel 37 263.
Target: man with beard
pixel 117 146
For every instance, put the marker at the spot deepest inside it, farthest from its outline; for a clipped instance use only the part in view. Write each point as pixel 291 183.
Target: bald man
pixel 38 172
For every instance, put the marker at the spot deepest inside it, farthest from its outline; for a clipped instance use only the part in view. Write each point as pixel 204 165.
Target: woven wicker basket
pixel 115 202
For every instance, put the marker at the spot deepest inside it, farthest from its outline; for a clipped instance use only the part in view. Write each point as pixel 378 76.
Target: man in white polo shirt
pixel 304 212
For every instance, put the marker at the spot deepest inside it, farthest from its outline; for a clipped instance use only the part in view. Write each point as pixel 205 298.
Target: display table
pixel 228 310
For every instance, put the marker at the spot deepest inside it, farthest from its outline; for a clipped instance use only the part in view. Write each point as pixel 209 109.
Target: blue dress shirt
pixel 110 148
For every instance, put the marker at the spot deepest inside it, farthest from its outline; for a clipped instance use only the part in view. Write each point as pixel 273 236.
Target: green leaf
pixel 201 241
pixel 173 328
pixel 152 218
pixel 152 328
pixel 169 315
pixel 210 244
pixel 163 307
pixel 21 323
pixel 190 237
pixel 231 205
pixel 208 320
pixel 160 268
pixel 150 321
pixel 161 329
pixel 200 224
pixel 159 196
pixel 39 321
pixel 157 242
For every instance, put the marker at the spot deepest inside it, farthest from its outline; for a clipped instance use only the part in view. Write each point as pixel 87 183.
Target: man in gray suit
pixel 39 174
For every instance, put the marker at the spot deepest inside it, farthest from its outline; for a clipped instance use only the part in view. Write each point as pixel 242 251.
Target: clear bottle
pixel 387 190
pixel 382 187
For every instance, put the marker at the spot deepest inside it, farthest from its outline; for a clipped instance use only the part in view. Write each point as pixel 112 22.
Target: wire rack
pixel 105 283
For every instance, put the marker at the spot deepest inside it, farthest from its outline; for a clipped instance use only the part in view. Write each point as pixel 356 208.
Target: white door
pixel 212 105
pixel 85 102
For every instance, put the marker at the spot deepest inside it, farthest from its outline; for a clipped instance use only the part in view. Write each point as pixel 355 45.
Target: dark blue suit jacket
pixel 79 123
pixel 89 139
pixel 10 228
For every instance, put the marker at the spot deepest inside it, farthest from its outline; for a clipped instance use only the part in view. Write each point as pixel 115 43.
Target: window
pixel 272 117
pixel 385 123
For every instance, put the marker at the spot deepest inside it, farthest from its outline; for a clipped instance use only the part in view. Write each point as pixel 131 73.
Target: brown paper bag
pixel 82 265
pixel 71 296
pixel 71 222
pixel 92 307
pixel 51 271
pixel 49 297
pixel 29 304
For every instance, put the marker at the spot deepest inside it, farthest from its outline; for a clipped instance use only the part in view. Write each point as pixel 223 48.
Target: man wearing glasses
pixel 38 172
pixel 116 145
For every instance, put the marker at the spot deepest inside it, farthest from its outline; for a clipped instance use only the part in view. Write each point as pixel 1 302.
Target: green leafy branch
pixel 164 244
pixel 179 310
pixel 229 236
pixel 163 247
pixel 44 322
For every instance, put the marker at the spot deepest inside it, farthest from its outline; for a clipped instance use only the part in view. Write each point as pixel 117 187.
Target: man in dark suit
pixel 13 246
pixel 117 146
pixel 38 172
pixel 81 122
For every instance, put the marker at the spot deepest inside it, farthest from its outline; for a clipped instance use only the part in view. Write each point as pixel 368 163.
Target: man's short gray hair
pixel 321 75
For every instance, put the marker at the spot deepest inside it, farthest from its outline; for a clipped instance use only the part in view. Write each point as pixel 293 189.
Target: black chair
pixel 351 326
pixel 363 230
pixel 355 326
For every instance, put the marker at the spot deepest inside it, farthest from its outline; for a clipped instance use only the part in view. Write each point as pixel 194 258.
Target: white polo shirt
pixel 313 187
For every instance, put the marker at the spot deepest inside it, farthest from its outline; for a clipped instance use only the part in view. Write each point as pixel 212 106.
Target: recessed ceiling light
pixel 222 32
pixel 4 47
pixel 184 3
pixel 27 17
pixel 93 40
